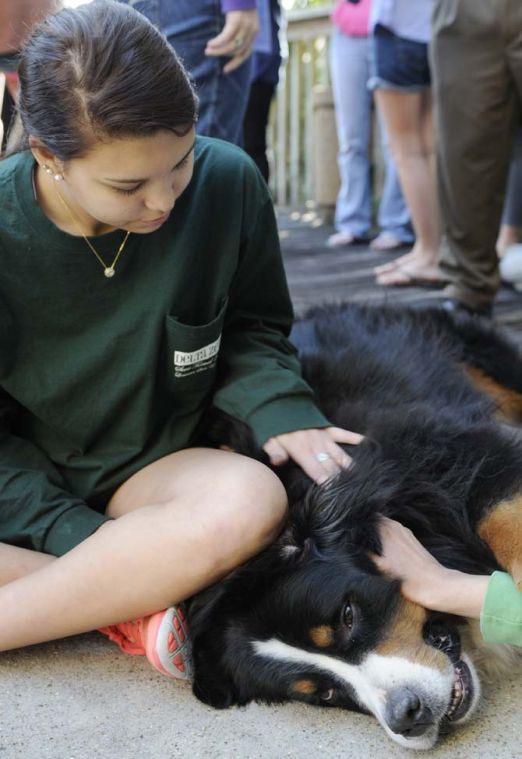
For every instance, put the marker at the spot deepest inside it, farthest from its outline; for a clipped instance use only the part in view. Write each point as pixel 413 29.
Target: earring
pixel 48 170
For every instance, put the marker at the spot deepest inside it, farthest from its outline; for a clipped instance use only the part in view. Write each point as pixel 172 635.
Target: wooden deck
pixel 317 274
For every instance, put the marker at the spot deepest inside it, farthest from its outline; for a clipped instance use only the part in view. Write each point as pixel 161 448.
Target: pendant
pixel 109 271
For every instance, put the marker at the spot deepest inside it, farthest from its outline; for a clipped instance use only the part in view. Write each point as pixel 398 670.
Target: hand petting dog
pixel 424 580
pixel 315 450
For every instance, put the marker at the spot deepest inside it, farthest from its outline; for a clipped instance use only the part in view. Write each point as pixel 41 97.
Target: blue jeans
pixel 188 26
pixel 350 66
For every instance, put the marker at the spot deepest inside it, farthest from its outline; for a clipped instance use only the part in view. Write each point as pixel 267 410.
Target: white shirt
pixel 406 18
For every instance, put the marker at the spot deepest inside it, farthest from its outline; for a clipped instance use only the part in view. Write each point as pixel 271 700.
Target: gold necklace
pixel 109 271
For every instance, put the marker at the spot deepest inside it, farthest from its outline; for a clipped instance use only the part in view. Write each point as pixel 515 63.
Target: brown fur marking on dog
pixel 508 401
pixel 405 638
pixel 306 687
pixel 322 636
pixel 501 529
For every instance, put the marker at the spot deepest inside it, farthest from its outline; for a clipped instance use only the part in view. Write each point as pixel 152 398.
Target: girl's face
pixel 130 183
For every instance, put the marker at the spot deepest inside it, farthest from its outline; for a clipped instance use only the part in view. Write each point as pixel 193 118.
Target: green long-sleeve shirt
pixel 99 377
pixel 501 616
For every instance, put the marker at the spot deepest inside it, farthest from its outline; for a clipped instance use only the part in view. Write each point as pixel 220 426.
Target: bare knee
pixel 236 512
pixel 250 507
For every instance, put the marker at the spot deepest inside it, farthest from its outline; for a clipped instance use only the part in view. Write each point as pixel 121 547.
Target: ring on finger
pixel 322 456
pixel 238 41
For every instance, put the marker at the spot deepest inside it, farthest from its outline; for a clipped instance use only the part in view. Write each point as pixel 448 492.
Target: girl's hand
pixel 316 450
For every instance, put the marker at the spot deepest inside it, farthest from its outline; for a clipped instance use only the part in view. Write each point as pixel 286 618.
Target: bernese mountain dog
pixel 439 401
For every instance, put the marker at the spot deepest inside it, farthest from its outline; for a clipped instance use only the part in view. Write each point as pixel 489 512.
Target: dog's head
pixel 311 619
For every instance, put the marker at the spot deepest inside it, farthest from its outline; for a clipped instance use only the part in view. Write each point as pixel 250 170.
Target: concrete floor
pixel 82 698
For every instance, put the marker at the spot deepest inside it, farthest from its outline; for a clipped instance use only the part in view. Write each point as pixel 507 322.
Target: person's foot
pixel 396 263
pixel 457 307
pixel 386 241
pixel 410 274
pixel 163 638
pixel 343 240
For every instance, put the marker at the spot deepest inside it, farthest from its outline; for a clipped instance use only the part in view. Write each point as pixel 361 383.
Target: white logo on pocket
pixel 196 361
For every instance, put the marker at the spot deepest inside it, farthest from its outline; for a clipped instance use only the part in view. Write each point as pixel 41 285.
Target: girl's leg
pixel 408 120
pixel 350 72
pixel 182 522
pixel 17 562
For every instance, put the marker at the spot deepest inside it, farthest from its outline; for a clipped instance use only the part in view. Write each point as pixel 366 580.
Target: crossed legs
pixel 179 524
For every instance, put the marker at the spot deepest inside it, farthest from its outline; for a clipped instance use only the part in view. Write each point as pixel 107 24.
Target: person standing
pixel 214 39
pixel 402 84
pixel 265 76
pixel 477 70
pixel 350 66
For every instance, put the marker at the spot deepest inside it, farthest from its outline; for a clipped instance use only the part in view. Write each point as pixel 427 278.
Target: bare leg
pixel 18 562
pixel 182 522
pixel 408 118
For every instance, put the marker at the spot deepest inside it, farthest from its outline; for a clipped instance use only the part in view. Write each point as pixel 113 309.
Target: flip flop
pixel 410 280
pixel 392 265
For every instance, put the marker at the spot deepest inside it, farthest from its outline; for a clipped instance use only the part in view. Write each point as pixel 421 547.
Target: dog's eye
pixel 327 695
pixel 348 616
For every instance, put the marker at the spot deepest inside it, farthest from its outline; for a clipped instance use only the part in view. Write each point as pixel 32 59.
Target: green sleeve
pixel 261 376
pixel 501 616
pixel 36 511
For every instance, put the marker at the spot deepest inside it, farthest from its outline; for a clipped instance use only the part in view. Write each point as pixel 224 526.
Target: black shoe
pixel 454 306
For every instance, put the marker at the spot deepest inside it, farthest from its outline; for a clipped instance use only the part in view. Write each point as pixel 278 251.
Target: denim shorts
pixel 399 63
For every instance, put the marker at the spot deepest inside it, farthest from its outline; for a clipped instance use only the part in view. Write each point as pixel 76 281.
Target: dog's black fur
pixel 435 457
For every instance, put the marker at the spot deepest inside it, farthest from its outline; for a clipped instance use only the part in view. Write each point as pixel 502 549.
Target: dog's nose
pixel 405 713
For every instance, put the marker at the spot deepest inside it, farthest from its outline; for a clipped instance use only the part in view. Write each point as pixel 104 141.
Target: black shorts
pixel 399 63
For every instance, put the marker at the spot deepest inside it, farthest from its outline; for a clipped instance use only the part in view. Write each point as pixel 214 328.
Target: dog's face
pixel 323 627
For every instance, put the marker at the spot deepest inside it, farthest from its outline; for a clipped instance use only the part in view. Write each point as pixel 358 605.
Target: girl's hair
pixel 100 71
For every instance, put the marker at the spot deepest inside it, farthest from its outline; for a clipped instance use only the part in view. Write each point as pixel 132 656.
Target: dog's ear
pixel 292 548
pixel 212 683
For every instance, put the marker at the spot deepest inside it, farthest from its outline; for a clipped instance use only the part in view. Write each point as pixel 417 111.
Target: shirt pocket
pixel 192 357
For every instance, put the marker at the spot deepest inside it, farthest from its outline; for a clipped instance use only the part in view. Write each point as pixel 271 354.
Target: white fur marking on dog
pixel 373 679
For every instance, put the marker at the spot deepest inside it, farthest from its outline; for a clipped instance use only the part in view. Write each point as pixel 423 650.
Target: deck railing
pixel 292 143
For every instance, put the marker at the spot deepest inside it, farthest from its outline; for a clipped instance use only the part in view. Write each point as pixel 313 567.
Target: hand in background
pixel 236 38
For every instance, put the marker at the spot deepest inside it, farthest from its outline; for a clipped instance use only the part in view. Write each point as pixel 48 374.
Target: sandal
pixel 405 278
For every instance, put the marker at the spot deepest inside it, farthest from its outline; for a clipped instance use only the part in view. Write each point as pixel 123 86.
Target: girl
pixel 141 282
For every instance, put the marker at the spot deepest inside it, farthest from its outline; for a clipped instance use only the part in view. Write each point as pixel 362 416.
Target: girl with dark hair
pixel 141 282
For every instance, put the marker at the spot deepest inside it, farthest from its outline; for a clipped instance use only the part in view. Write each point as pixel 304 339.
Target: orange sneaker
pixel 163 638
